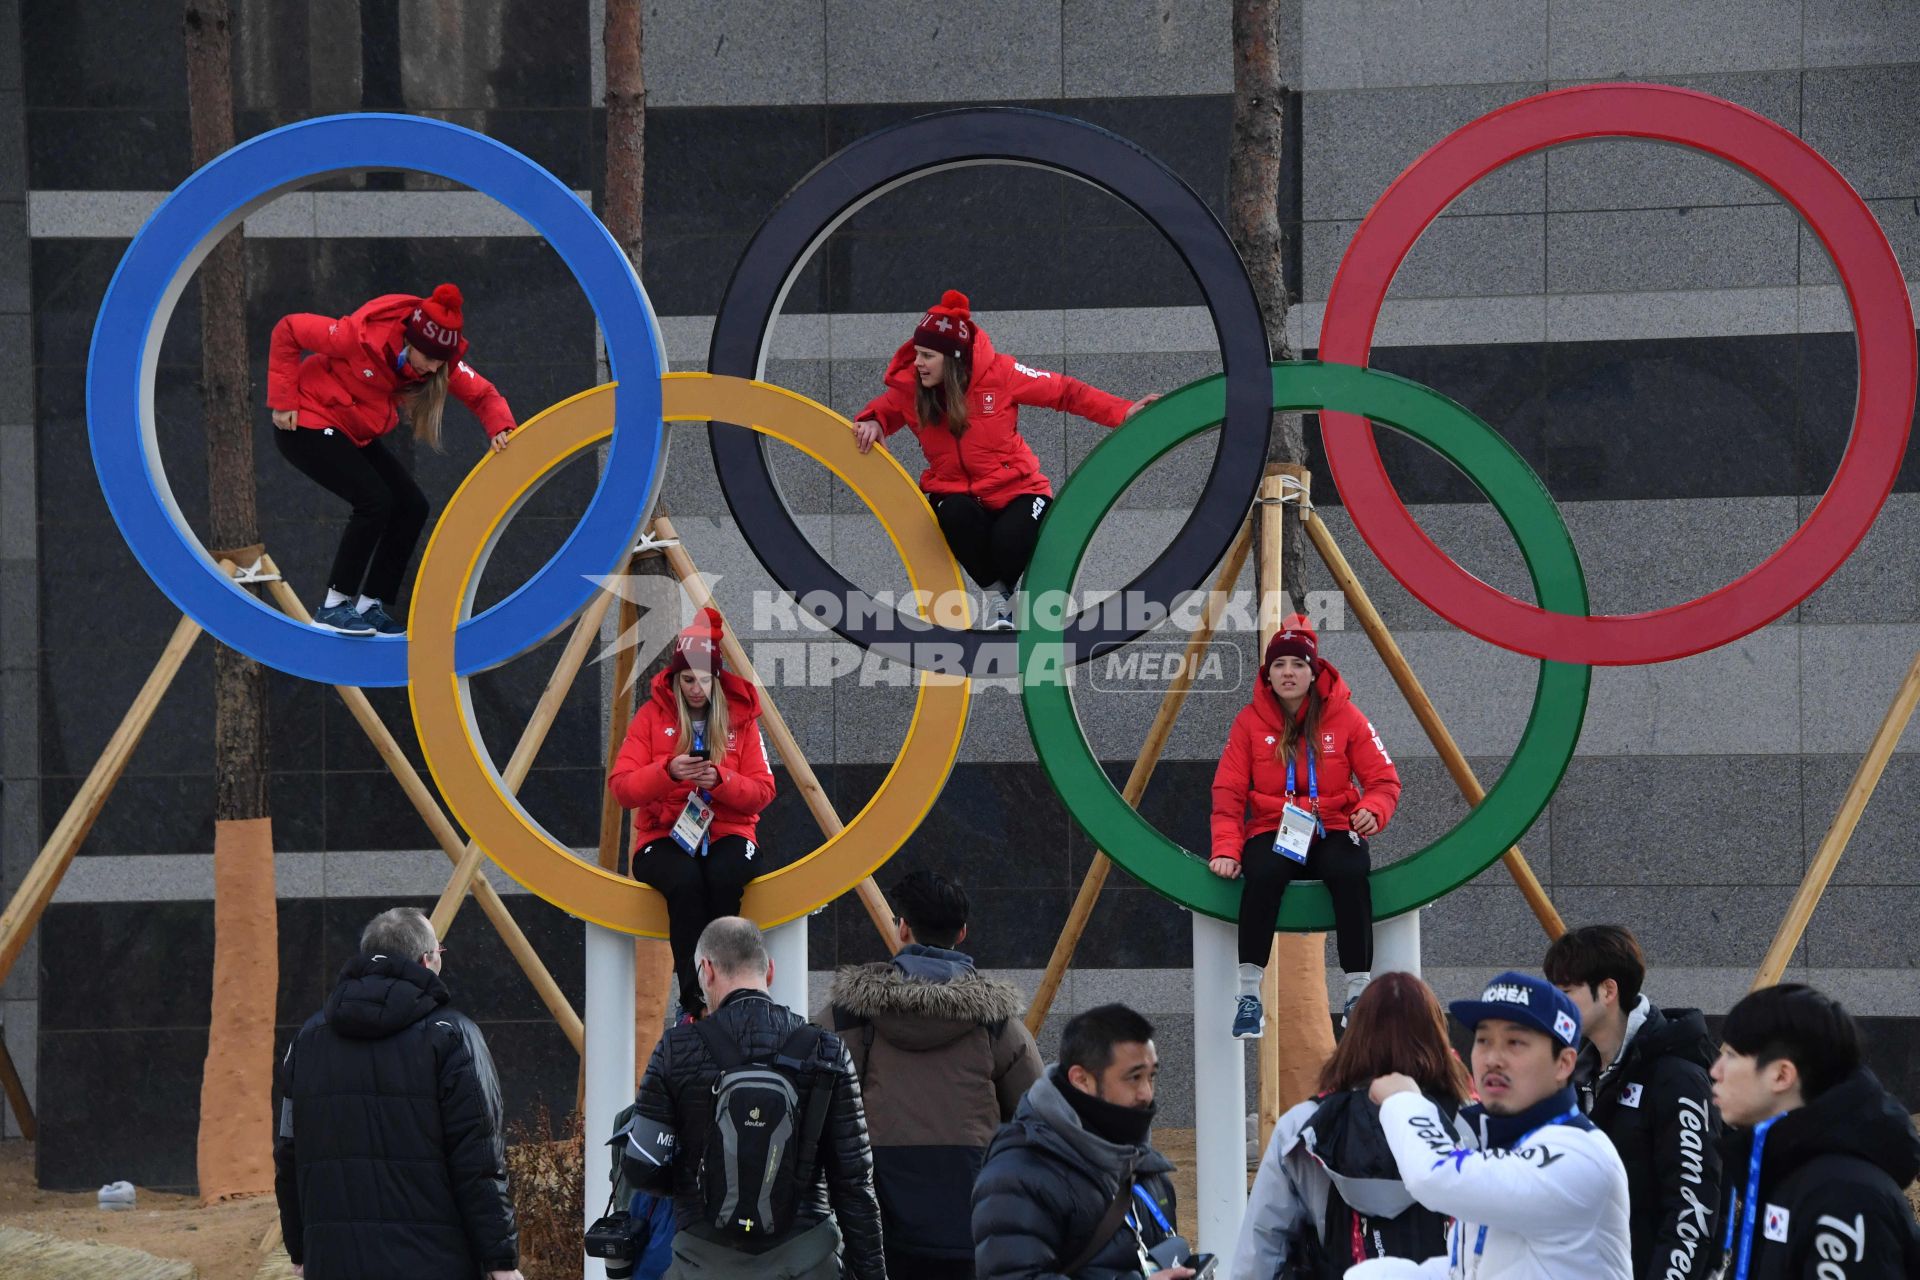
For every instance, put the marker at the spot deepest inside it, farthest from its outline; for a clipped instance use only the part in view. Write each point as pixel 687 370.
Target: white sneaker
pixel 1002 611
pixel 117 1195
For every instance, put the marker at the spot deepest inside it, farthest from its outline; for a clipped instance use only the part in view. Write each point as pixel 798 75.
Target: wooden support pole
pixel 1423 710
pixel 1293 990
pixel 619 715
pixel 1143 766
pixel 1852 805
pixel 532 738
pixel 798 770
pixel 17 1095
pixel 37 887
pixel 444 834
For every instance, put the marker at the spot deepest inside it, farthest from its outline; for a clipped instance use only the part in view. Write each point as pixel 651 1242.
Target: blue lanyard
pixel 1133 1218
pixel 1480 1241
pixel 1751 1208
pixel 1313 788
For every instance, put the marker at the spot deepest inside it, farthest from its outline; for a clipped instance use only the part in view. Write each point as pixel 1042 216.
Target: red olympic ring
pixel 1883 410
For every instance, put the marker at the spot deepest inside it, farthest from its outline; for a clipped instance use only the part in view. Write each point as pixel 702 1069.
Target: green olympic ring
pixel 1560 694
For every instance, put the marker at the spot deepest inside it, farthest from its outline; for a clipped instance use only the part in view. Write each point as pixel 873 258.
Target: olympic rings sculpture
pixel 445 644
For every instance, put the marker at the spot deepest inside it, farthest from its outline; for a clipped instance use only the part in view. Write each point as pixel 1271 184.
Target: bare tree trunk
pixel 235 1157
pixel 1300 1039
pixel 625 40
pixel 1253 217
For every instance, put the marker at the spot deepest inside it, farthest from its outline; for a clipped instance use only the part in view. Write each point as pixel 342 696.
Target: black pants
pixel 389 511
pixel 992 544
pixel 1338 859
pixel 698 891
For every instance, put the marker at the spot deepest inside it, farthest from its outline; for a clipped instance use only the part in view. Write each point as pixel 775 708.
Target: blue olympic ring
pixel 157 268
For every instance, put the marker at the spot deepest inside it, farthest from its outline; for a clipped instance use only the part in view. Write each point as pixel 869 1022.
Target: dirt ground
pixel 222 1242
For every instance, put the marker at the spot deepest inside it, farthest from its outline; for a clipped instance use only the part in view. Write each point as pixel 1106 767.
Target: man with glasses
pixel 390 1158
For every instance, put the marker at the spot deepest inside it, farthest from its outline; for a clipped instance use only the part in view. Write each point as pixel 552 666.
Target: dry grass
pixel 546 1171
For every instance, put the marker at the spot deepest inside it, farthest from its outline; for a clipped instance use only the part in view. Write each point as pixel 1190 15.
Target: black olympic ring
pixel 846 182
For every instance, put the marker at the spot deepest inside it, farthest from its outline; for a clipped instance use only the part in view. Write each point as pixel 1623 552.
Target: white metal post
pixel 609 1059
pixel 1219 1090
pixel 787 946
pixel 1396 944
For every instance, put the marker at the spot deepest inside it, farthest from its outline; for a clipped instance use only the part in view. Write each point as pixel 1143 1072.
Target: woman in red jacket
pixel 332 407
pixel 1303 785
pixel 962 399
pixel 694 771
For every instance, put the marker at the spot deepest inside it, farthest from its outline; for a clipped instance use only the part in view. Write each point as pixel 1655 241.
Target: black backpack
pixel 764 1141
pixel 1347 1237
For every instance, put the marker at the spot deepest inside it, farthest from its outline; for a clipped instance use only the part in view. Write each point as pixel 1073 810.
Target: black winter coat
pixel 1046 1185
pixel 1832 1181
pixel 390 1159
pixel 1656 1105
pixel 676 1095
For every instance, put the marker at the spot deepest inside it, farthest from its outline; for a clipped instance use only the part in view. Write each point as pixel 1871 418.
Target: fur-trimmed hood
pixel 919 1013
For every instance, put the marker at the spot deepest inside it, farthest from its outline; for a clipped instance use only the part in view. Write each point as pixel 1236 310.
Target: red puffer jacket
pixel 640 780
pixel 990 460
pixel 1250 786
pixel 353 379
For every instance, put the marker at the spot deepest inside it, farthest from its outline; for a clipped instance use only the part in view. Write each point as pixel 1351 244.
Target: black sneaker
pixel 381 621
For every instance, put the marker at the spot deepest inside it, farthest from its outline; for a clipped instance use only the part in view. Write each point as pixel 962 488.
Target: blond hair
pixel 426 404
pixel 716 726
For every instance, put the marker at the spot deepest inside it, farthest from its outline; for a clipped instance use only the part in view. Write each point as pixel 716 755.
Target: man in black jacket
pixel 390 1159
pixel 1642 1080
pixel 676 1111
pixel 1072 1185
pixel 1824 1147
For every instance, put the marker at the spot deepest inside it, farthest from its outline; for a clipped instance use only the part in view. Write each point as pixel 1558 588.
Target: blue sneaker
pixel 342 618
pixel 381 621
pixel 1249 1019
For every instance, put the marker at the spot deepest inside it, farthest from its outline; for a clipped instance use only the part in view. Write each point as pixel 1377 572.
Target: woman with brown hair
pixel 1328 1194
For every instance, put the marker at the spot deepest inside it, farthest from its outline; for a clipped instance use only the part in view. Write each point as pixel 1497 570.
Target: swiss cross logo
pixel 986 402
pixel 1326 741
pixel 943 324
pixel 1776 1229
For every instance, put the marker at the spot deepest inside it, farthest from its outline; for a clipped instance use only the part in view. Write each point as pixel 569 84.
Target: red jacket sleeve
pixel 482 397
pixel 638 778
pixel 891 409
pixel 1045 389
pixel 1371 764
pixel 748 788
pixel 294 336
pixel 1230 783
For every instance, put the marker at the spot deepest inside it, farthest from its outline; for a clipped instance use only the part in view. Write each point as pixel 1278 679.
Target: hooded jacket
pixel 389 1159
pixel 990 459
pixel 676 1098
pixel 1655 1104
pixel 1533 1196
pixel 1831 1200
pixel 926 1026
pixel 353 379
pixel 640 780
pixel 1045 1187
pixel 1351 767
pixel 1325 1144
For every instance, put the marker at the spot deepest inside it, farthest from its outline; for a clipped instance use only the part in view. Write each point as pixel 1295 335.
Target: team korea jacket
pixel 1532 1199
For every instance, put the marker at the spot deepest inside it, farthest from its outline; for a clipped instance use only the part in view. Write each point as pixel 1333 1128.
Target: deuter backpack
pixel 763 1145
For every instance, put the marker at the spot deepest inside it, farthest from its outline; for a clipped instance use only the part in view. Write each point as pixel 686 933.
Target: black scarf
pixel 1503 1132
pixel 1123 1126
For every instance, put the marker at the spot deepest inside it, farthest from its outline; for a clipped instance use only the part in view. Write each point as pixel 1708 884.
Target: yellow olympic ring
pixel 443 598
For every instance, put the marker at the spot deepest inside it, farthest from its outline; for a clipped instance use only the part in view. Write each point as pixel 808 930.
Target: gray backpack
pixel 763 1146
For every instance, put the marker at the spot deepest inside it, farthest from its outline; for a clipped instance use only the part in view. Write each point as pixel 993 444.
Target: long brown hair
pixel 716 732
pixel 1305 727
pixel 1397 1026
pixel 945 405
pixel 425 403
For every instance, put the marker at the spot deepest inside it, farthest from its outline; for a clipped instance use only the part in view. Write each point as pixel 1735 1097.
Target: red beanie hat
pixel 1295 638
pixel 948 328
pixel 434 327
pixel 698 646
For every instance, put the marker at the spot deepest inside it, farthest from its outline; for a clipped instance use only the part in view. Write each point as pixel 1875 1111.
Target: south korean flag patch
pixel 1565 1027
pixel 1776 1224
pixel 1630 1095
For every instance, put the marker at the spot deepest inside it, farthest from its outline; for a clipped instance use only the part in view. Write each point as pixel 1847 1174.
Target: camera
pixel 611 1238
